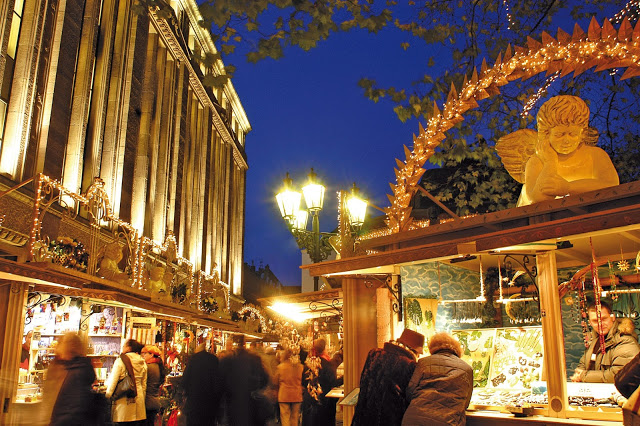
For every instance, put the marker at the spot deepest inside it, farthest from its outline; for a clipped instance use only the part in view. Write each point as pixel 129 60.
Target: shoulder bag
pixel 126 387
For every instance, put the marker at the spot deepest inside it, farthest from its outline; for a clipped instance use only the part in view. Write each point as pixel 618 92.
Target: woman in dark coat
pixel 441 386
pixel 384 379
pixel 72 374
pixel 318 378
pixel 155 379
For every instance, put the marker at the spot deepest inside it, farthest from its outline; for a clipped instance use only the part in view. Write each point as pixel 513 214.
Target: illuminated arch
pixel 603 47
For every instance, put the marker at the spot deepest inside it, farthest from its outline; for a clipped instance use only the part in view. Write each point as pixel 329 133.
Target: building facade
pixel 101 89
pixel 103 103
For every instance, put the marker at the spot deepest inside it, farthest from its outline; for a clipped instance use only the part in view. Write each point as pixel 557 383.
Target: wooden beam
pixel 438 202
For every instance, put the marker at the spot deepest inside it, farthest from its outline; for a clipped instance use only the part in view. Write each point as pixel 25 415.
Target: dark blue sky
pixel 306 110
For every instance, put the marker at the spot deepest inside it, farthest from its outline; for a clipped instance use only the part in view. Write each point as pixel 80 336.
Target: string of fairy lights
pixel 631 11
pixel 141 246
pixel 601 46
pixel 505 3
pixel 533 100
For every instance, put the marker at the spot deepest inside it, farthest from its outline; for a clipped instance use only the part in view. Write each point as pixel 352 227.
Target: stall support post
pixel 360 329
pixel 12 312
pixel 550 311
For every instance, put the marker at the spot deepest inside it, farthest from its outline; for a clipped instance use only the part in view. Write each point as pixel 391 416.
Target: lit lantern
pixel 288 199
pixel 299 221
pixel 357 208
pixel 313 193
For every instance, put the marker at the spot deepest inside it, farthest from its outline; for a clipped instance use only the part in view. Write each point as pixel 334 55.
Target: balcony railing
pixel 82 233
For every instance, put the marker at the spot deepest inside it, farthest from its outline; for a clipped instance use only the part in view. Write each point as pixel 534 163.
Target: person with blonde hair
pixel 441 386
pixel 67 391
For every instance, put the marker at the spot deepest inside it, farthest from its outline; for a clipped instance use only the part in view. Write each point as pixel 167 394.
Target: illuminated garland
pixel 630 11
pixel 541 91
pixel 255 314
pixel 97 201
pixel 505 3
pixel 603 47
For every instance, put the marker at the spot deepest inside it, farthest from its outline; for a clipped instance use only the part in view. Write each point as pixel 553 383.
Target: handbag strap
pixel 636 405
pixel 127 363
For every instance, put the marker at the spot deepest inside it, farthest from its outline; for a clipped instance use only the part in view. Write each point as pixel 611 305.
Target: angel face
pixel 565 139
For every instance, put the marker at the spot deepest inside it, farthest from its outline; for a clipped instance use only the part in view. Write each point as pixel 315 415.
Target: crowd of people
pixel 238 386
pixel 398 389
pixel 255 386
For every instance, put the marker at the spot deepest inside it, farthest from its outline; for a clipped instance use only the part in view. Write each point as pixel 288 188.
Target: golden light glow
pixel 313 193
pixel 300 219
pixel 357 208
pixel 602 47
pixel 291 311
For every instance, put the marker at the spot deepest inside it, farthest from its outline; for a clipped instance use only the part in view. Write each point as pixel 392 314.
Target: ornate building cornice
pixel 178 52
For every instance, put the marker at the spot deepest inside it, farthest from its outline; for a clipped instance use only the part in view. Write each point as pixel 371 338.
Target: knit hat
pixel 412 339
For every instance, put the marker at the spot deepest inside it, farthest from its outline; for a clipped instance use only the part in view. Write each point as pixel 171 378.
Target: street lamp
pixel 316 243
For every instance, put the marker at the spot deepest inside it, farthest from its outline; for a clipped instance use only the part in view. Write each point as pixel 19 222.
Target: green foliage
pixel 461 34
pixel 413 311
pixel 471 178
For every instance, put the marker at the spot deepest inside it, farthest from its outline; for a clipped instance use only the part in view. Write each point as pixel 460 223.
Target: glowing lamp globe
pixel 299 220
pixel 288 199
pixel 313 193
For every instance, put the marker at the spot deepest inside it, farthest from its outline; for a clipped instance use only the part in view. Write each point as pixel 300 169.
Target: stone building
pixel 102 104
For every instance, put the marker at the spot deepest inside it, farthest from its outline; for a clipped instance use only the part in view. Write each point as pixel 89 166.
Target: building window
pixel 7 78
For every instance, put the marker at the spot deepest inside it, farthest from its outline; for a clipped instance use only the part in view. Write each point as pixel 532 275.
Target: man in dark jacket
pixel 244 380
pixel 441 387
pixel 384 379
pixel 620 346
pixel 202 387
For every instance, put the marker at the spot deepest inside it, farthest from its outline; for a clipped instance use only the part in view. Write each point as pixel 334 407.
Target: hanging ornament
pixel 612 279
pixel 623 265
pixel 597 292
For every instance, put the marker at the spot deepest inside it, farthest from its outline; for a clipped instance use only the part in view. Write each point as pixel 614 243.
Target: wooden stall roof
pixel 314 304
pixel 56 279
pixel 596 212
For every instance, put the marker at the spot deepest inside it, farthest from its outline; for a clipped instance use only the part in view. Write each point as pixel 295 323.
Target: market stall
pixel 441 263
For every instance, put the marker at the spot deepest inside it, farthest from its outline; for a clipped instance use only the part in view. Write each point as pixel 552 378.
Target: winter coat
pixel 627 379
pixel 319 411
pixel 244 378
pixel 288 377
pixel 621 346
pixel 74 402
pixel 154 381
pixel 203 388
pixel 383 384
pixel 440 390
pixel 126 409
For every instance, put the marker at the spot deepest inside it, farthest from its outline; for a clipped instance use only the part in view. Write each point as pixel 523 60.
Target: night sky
pixel 306 110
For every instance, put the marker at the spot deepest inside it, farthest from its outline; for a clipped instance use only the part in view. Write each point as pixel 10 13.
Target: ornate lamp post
pixel 316 243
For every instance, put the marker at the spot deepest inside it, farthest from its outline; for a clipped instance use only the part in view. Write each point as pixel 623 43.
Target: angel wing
pixel 515 149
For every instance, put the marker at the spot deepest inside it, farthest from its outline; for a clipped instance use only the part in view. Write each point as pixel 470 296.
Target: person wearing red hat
pixel 155 379
pixel 384 379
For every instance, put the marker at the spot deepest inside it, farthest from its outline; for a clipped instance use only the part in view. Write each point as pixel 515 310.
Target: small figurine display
pixel 559 159
pixel 156 283
pixel 109 264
